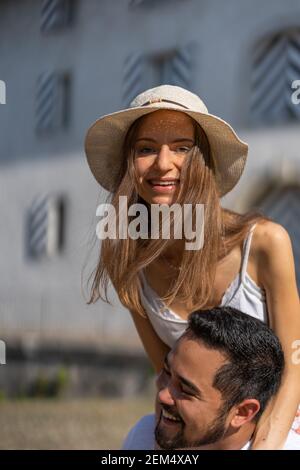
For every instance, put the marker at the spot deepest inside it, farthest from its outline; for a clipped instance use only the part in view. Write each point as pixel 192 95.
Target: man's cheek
pixel 157 410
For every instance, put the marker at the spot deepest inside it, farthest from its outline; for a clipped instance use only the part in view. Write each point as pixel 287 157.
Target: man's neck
pixel 232 440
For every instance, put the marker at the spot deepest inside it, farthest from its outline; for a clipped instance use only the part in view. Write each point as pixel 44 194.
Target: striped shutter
pixel 133 77
pixel 141 72
pixel 293 71
pixel 44 226
pixel 2 92
pixel 283 206
pixel 177 68
pixel 55 14
pixel 51 101
pixel 276 64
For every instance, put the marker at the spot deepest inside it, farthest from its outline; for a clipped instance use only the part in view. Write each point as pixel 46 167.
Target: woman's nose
pixel 164 158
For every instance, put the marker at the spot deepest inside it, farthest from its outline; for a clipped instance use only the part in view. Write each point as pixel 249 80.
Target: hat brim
pixel 105 138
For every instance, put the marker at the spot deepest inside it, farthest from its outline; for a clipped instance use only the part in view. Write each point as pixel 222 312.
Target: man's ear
pixel 244 412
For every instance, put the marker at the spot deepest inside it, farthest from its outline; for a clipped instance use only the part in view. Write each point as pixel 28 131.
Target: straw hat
pixel 105 138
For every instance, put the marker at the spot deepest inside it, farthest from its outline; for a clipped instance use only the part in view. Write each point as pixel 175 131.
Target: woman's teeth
pixel 165 183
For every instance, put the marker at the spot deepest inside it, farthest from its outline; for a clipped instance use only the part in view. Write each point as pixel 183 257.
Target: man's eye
pixel 183 149
pixel 187 393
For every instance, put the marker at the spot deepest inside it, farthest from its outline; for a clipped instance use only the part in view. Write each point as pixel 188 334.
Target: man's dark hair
pixel 254 354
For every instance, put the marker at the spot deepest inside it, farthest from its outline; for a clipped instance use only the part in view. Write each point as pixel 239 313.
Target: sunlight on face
pixel 189 406
pixel 163 140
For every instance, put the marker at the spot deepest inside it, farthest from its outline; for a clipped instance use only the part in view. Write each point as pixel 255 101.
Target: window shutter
pixel 283 206
pixel 52 101
pixel 177 69
pixel 55 15
pixel 276 64
pixel 133 77
pixel 44 230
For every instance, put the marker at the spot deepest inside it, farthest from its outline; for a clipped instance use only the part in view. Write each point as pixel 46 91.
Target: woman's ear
pixel 245 412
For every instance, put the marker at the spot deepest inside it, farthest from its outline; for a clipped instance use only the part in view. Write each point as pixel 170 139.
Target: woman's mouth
pixel 163 186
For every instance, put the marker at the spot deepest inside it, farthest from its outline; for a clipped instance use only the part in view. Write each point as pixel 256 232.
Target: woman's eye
pixel 151 150
pixel 145 150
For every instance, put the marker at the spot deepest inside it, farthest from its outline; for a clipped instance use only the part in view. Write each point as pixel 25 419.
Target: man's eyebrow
pixel 190 385
pixel 179 139
pixel 185 381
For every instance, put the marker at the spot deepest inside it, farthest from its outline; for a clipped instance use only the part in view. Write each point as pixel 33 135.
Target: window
pixel 52 102
pixel 45 226
pixel 173 68
pixel 134 79
pixel 276 64
pixel 282 204
pixel 55 14
pixel 143 71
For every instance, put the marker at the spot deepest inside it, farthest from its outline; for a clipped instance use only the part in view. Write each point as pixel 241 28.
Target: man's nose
pixel 161 380
pixel 165 396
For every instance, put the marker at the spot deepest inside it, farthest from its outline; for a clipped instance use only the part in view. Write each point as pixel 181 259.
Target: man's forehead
pixel 194 359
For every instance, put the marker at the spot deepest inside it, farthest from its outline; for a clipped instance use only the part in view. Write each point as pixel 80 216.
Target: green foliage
pixel 45 387
pixel 2 396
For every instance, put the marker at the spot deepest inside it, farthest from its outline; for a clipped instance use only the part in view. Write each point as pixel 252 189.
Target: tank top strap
pixel 246 251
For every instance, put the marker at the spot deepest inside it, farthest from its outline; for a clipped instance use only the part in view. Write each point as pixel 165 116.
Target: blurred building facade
pixel 65 63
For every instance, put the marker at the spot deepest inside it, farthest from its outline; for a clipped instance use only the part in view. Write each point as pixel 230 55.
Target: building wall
pixel 102 51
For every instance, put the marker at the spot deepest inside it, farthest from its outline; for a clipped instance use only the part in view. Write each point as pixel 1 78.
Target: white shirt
pixel 141 437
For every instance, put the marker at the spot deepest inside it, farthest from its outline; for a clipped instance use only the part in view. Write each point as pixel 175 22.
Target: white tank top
pixel 243 294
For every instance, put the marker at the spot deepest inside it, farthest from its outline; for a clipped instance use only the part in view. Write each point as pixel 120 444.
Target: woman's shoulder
pixel 269 242
pixel 268 236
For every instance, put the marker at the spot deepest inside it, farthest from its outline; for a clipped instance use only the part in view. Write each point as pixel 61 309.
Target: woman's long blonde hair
pixel 121 260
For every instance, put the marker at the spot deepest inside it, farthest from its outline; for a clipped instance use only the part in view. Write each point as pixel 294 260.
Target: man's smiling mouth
pixel 168 417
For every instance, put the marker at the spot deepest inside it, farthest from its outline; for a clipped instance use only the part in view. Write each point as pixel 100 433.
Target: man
pixel 214 386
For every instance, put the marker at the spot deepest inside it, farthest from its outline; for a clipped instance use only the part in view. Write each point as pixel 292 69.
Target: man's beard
pixel 215 431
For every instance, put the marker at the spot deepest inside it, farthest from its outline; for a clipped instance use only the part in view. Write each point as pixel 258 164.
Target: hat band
pixel 157 100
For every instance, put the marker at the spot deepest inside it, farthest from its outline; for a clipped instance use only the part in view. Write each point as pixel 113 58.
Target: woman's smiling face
pixel 163 141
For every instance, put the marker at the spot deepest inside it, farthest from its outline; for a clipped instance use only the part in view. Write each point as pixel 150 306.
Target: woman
pixel 167 148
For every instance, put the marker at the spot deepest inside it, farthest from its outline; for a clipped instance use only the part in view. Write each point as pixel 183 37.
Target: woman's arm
pixel 277 274
pixel 155 348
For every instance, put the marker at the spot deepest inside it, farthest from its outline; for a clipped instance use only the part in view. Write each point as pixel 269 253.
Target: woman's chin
pixel 156 195
pixel 161 198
